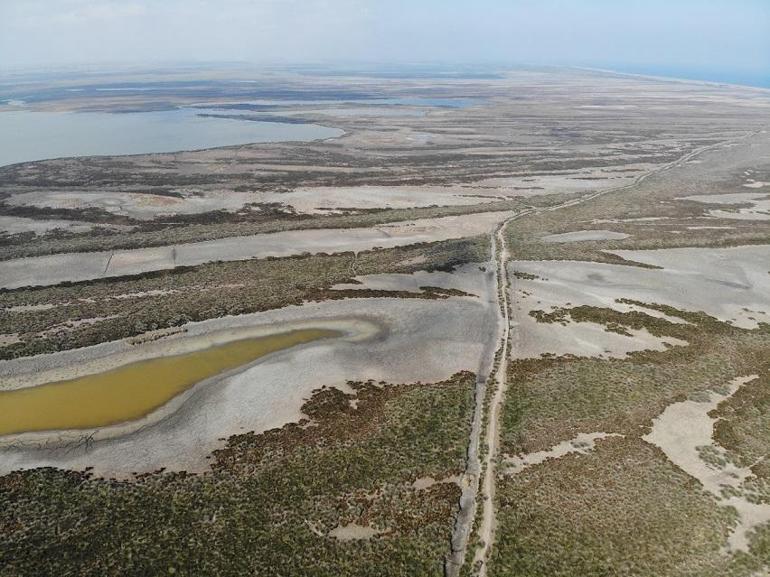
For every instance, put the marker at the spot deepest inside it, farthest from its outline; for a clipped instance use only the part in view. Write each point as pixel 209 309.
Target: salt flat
pixel 731 284
pixel 413 340
pixel 54 269
pixel 758 204
pixel 583 235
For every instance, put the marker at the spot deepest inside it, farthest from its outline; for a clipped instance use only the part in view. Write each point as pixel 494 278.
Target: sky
pixel 731 37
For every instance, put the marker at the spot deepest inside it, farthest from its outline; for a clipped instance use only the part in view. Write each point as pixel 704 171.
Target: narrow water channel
pixel 134 390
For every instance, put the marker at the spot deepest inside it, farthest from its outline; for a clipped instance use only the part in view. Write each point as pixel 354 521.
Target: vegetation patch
pixel 520 274
pixel 624 509
pixel 743 429
pixel 177 229
pixel 552 399
pixel 651 213
pixel 271 501
pixel 130 306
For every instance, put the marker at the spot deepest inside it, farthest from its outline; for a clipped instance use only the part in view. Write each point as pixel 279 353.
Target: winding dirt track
pixel 478 485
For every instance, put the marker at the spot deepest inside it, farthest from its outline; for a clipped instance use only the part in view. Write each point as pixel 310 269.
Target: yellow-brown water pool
pixel 134 390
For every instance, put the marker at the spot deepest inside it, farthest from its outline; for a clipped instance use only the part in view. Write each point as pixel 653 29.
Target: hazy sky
pixel 728 35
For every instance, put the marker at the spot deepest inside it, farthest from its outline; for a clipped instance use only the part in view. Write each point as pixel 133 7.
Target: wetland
pixel 132 391
pixel 528 273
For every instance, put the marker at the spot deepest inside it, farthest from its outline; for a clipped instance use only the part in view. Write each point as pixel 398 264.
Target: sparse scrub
pixel 624 508
pixel 128 306
pixel 269 502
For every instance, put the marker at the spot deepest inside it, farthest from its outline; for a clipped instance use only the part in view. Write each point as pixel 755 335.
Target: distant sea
pixel 757 79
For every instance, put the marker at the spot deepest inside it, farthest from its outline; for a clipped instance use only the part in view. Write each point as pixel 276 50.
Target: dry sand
pixel 19 224
pixel 417 340
pixel 464 278
pixel 685 427
pixel 427 482
pixel 583 443
pixel 305 200
pixel 354 532
pixel 328 200
pixel 759 202
pixel 565 284
pixel 9 339
pixel 53 269
pixel 137 205
pixel 756 184
pixel 731 284
pixel 581 235
pixel 569 181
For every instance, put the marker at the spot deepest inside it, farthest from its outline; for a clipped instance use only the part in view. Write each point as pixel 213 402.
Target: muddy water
pixel 134 390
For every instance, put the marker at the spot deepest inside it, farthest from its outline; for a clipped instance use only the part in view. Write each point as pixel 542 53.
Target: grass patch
pixel 270 501
pixel 743 430
pixel 652 213
pixel 222 224
pixel 121 307
pixel 624 509
pixel 552 399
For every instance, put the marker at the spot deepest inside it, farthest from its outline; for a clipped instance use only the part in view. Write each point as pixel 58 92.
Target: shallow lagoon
pixel 134 390
pixel 26 136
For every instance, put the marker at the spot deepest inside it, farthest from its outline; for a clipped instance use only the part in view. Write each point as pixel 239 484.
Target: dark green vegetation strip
pixel 624 509
pixel 82 314
pixel 269 504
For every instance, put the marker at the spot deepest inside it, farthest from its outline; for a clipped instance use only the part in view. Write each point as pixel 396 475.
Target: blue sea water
pixel 757 79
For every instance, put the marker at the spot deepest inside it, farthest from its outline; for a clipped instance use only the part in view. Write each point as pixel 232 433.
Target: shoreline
pixel 350 330
pixel 269 393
